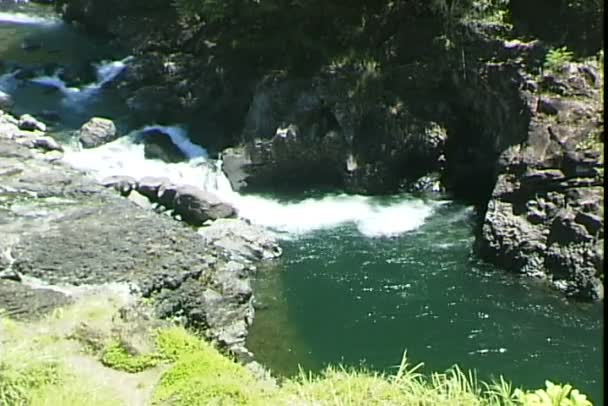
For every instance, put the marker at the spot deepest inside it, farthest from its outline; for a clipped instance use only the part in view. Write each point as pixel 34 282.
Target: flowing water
pixel 362 278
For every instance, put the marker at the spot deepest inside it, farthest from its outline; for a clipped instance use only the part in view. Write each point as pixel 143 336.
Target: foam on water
pixel 372 217
pixel 22 18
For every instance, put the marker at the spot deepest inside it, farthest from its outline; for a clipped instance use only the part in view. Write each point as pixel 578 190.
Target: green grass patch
pixel 203 376
pixel 20 375
pixel 117 356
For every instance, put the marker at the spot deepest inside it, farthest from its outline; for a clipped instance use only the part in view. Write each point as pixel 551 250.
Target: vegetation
pixel 557 58
pixel 37 371
pixel 117 356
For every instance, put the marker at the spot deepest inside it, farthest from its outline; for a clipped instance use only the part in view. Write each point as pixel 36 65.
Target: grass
pixel 34 371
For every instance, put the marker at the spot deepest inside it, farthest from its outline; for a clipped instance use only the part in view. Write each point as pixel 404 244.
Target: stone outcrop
pixel 311 132
pixel 546 216
pixel 97 131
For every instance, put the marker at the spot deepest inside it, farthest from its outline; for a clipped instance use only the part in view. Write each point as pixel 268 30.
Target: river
pixel 362 279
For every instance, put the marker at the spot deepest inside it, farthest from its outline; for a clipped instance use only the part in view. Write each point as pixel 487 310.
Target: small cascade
pixel 106 73
pixel 372 216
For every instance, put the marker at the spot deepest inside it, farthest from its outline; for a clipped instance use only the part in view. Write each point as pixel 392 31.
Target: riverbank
pixel 61 229
pixel 103 350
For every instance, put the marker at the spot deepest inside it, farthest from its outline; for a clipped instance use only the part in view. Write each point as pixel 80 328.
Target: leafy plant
pixel 552 395
pixel 557 58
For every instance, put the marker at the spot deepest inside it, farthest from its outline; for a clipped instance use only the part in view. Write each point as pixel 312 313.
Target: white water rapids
pixel 372 218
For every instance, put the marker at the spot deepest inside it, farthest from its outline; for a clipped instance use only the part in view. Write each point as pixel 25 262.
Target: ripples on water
pixel 340 297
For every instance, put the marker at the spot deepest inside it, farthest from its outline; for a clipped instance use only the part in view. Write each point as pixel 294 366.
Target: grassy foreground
pixel 86 355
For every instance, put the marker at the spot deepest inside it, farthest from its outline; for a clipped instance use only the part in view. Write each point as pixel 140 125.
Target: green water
pixel 339 297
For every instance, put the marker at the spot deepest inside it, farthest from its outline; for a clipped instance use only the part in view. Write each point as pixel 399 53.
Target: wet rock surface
pixel 62 228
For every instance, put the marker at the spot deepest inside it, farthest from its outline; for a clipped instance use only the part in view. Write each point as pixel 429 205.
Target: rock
pixel 77 75
pixel 166 195
pixel 22 302
pixel 593 223
pixel 235 165
pixel 47 144
pixel 97 131
pixel 10 275
pixel 6 101
pixel 426 184
pixel 158 145
pixel 244 241
pixel 149 186
pixel 547 106
pixel 140 200
pixel 196 206
pixel 62 213
pixel 29 123
pixel 122 184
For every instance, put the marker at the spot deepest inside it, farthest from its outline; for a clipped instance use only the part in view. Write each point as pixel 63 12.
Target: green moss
pixel 116 356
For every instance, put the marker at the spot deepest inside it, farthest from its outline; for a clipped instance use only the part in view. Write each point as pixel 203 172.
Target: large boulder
pixel 97 131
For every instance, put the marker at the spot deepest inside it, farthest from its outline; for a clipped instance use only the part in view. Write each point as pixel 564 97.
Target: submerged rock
pixel 97 131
